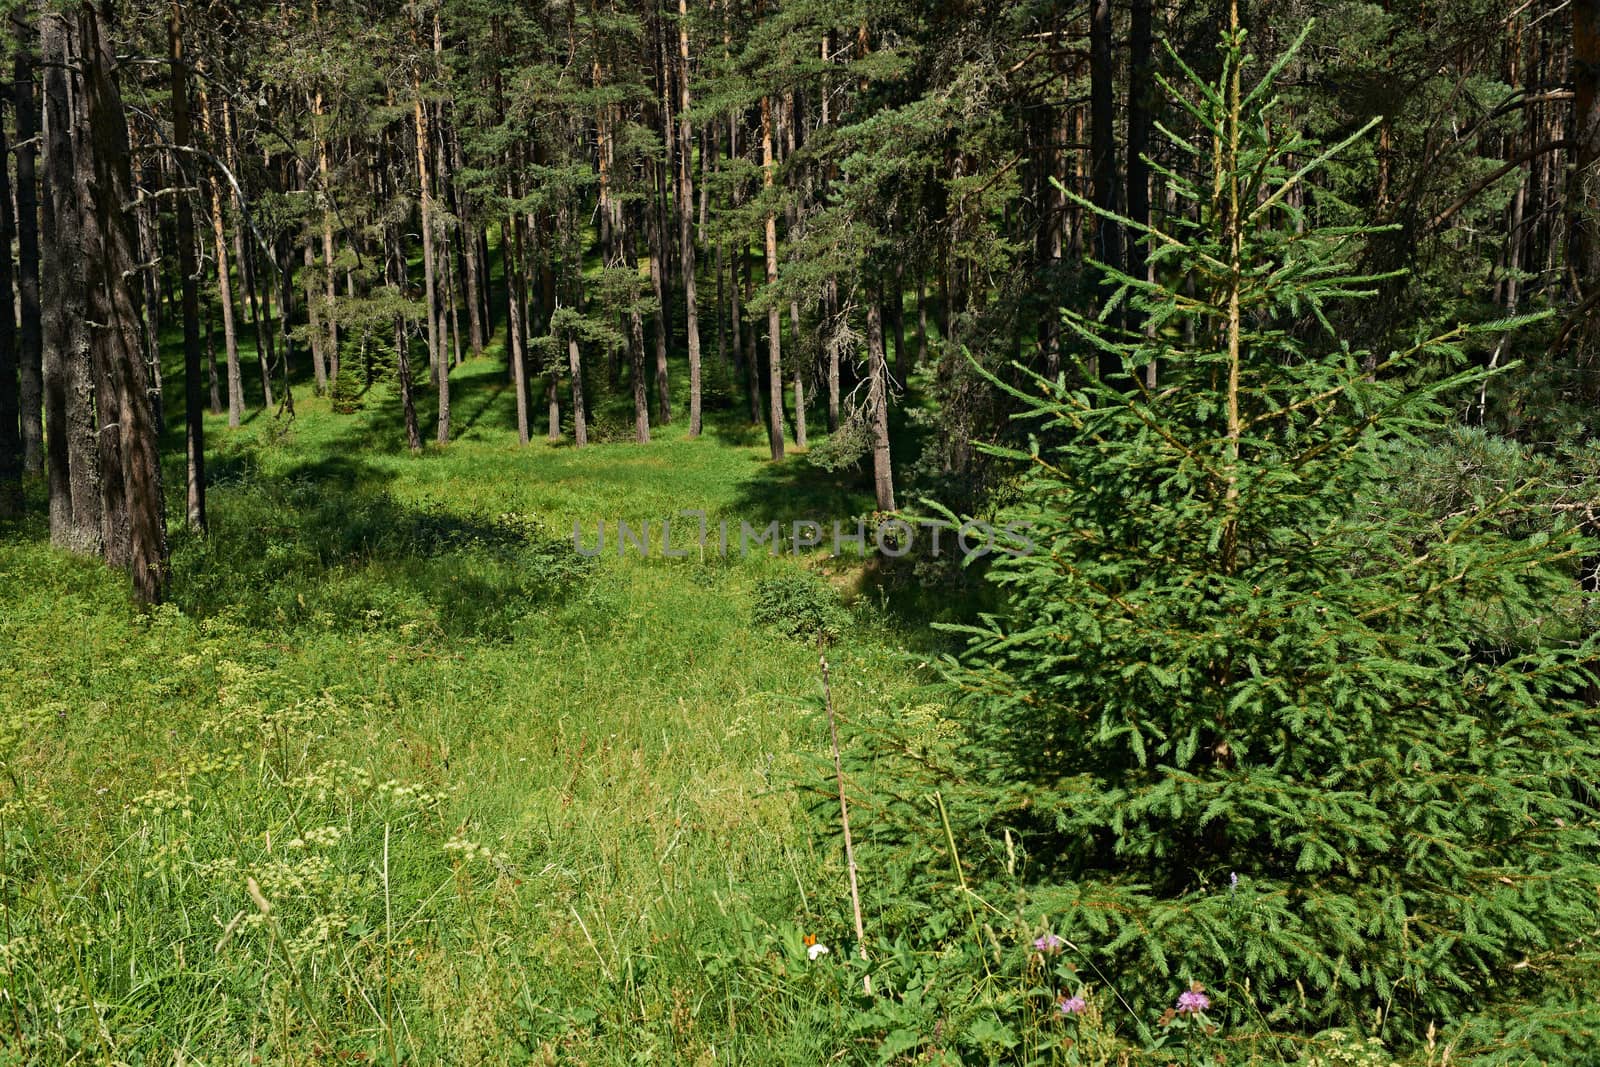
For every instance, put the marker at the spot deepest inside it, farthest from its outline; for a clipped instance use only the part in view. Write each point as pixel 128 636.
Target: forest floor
pixel 399 777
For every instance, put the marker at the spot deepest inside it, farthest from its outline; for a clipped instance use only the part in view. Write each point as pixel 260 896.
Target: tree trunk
pixel 641 399
pixel 108 248
pixel 10 400
pixel 799 377
pixel 830 297
pixel 516 305
pixel 325 194
pixel 1141 97
pixel 656 238
pixel 774 317
pixel 878 408
pixel 71 441
pixel 1108 235
pixel 230 330
pixel 1583 195
pixel 686 220
pixel 283 266
pixel 580 424
pixel 402 341
pixel 436 360
pixel 30 337
pixel 193 407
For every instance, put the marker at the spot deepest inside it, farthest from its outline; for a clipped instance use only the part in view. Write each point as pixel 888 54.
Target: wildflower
pixel 1193 1002
pixel 815 951
pixel 1071 1005
pixel 1233 880
pixel 1048 943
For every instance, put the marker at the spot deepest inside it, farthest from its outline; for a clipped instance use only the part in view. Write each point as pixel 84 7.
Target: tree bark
pixel 436 360
pixel 878 408
pixel 516 305
pixel 193 406
pixel 686 220
pixel 10 384
pixel 656 238
pixel 71 442
pixel 30 347
pixel 774 318
pixel 1108 235
pixel 109 249
pixel 219 243
pixel 402 340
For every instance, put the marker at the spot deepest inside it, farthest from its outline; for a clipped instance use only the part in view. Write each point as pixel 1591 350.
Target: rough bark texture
pixel 30 343
pixel 10 401
pixel 73 456
pixel 109 245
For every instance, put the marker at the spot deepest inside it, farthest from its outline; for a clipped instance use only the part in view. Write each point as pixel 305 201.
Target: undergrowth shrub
pixel 800 604
pixel 1249 720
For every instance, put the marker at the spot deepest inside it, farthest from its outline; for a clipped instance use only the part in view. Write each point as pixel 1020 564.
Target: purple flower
pixel 1048 943
pixel 1193 1002
pixel 1071 1005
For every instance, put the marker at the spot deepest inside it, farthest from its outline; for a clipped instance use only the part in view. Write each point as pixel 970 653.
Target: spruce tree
pixel 1255 723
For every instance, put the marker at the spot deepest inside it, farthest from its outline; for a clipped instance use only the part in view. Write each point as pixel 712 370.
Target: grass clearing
pixel 502 804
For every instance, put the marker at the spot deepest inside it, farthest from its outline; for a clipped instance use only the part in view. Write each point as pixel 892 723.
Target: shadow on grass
pixel 325 543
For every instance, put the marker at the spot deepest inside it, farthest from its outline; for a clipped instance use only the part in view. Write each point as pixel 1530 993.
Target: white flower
pixel 816 950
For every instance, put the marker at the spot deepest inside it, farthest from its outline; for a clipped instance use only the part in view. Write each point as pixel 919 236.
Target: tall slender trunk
pixel 193 406
pixel 396 262
pixel 799 377
pixel 10 400
pixel 580 422
pixel 878 407
pixel 260 317
pixel 213 382
pixel 686 220
pixel 219 242
pixel 656 239
pixel 30 336
pixel 283 265
pixel 1141 96
pixel 830 341
pixel 1108 235
pixel 469 254
pixel 72 446
pixel 516 308
pixel 641 400
pixel 436 360
pixel 774 317
pixel 330 318
pixel 897 317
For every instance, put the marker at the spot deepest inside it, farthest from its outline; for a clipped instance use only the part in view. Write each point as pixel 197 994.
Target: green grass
pixel 505 806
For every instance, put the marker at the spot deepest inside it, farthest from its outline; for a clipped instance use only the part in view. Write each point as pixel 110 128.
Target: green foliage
pixel 1250 718
pixel 800 604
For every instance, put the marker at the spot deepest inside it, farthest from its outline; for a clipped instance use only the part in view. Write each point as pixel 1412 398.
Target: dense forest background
pixel 806 213
pixel 1277 326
